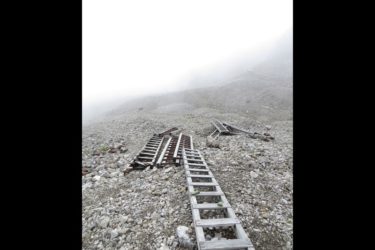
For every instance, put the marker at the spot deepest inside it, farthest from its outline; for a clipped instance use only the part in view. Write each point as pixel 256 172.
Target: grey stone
pixel 103 223
pixel 114 234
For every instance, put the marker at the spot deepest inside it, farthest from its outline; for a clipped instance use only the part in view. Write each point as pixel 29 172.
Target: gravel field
pixel 143 209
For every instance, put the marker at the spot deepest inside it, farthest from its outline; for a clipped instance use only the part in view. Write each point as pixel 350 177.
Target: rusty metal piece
pixel 128 170
pixel 85 171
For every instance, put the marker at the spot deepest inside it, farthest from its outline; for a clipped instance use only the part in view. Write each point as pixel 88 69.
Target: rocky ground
pixel 143 209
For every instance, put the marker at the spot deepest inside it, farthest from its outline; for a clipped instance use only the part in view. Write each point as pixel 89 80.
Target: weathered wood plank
pixel 161 157
pixel 191 142
pixel 157 150
pixel 177 146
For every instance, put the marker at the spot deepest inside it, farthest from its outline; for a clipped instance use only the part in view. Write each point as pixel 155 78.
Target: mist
pixel 133 49
pixel 167 82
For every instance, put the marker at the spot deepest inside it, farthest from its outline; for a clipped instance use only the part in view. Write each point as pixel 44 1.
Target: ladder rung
pixel 210 206
pixel 142 153
pixel 225 244
pixel 209 194
pixel 193 158
pixel 146 162
pixel 191 150
pixel 192 154
pixel 197 169
pixel 154 150
pixel 200 176
pixel 217 222
pixel 146 158
pixel 204 184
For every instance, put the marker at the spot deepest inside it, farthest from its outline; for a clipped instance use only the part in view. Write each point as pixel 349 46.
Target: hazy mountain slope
pixel 264 92
pixel 279 64
pixel 249 94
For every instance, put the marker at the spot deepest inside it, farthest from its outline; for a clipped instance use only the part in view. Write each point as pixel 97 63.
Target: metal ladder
pixel 166 156
pixel 200 179
pixel 220 127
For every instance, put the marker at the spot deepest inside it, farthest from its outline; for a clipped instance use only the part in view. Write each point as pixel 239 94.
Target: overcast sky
pixel 138 47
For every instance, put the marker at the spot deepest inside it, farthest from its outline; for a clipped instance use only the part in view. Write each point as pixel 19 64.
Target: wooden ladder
pixel 183 141
pixel 199 176
pixel 147 156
